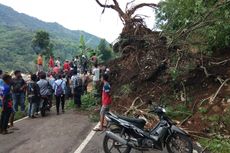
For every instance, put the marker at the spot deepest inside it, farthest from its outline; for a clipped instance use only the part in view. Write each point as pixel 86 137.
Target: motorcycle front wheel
pixel 179 143
pixel 112 146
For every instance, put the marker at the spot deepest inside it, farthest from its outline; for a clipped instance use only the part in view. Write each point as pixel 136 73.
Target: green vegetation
pixel 216 145
pixel 180 111
pixel 17 31
pixel 88 101
pixel 125 89
pixel 41 43
pixel 203 110
pixel 200 24
pixel 104 52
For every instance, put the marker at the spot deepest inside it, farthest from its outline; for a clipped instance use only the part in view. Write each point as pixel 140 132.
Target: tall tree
pixel 82 45
pixel 41 43
pixel 104 51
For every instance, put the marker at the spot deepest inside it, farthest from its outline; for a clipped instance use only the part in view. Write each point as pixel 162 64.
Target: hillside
pixel 17 30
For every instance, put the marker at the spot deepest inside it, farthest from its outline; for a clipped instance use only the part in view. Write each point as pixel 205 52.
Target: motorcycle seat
pixel 140 123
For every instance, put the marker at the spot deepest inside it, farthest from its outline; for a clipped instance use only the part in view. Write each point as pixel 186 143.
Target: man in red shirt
pixel 106 101
pixel 51 63
pixel 56 69
pixel 66 66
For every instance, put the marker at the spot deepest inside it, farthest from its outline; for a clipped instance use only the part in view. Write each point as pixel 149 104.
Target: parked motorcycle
pixel 124 134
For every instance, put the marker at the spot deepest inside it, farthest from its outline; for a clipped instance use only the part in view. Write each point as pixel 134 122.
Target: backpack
pixel 78 82
pixel 59 90
pixel 30 89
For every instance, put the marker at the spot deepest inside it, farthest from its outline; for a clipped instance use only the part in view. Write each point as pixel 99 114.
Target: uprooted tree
pixel 163 67
pixel 127 16
pixel 134 24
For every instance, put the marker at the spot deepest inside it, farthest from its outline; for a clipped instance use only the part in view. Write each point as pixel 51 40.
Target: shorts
pixel 104 110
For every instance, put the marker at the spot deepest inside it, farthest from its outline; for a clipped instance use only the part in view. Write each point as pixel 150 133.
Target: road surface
pixel 54 134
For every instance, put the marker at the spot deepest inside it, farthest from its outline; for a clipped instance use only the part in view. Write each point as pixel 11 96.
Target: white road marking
pixel 27 117
pixel 21 119
pixel 87 139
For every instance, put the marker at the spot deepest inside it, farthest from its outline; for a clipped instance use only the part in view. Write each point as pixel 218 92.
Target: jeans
pixel 77 100
pixel 32 107
pixel 5 116
pixel 60 99
pixel 19 99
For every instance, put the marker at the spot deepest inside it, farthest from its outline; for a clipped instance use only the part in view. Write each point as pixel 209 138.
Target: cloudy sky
pixel 79 14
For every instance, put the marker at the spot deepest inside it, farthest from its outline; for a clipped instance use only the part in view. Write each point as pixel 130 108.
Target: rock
pixel 194 151
pixel 189 122
pixel 228 101
pixel 216 109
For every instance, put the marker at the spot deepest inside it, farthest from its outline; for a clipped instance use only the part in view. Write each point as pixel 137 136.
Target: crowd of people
pixel 66 80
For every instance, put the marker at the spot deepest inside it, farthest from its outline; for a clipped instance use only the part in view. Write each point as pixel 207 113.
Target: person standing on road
pixel 56 69
pixel 51 64
pixel 19 88
pixel 106 101
pixel 7 104
pixel 85 81
pixel 1 91
pixel 84 64
pixel 94 59
pixel 77 88
pixel 59 91
pixel 44 90
pixel 96 79
pixel 66 67
pixel 1 86
pixel 58 62
pixel 40 63
pixel 33 94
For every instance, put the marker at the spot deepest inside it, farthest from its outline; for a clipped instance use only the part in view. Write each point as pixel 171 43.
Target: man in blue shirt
pixel 7 104
pixel 1 86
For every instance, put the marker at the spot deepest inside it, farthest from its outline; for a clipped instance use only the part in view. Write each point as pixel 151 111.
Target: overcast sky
pixel 79 14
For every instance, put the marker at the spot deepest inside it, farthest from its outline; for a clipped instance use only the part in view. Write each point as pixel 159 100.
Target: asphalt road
pixel 51 134
pixel 54 134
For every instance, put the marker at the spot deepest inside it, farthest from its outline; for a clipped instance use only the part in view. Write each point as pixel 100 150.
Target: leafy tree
pixel 82 45
pixel 106 53
pixel 200 23
pixel 41 43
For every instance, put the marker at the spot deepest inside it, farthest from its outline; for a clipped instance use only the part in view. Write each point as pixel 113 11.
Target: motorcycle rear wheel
pixel 112 146
pixel 179 143
pixel 43 112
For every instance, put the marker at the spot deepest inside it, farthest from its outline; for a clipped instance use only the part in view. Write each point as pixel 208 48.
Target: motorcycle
pixel 44 106
pixel 124 134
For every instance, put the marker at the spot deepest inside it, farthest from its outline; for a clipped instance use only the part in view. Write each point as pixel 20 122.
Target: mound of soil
pixel 145 70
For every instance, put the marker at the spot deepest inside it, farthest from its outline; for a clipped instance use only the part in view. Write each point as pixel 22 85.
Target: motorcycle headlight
pixel 164 110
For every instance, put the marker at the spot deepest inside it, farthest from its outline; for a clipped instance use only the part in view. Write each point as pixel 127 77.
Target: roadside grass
pixel 179 112
pixel 89 105
pixel 216 144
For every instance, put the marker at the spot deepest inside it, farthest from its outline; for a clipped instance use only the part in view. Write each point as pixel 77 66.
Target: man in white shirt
pixel 57 62
pixel 96 79
pixel 96 74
